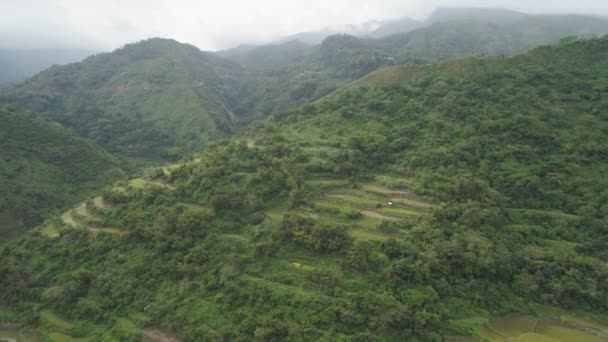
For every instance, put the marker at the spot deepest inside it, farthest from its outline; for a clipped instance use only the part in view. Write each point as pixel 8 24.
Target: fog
pixel 212 25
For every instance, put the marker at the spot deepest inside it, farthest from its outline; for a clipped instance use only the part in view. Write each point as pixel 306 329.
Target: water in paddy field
pixel 526 328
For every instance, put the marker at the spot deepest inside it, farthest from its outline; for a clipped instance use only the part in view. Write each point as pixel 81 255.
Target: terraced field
pixel 84 216
pixel 377 202
pixel 360 208
pixel 60 329
pixel 550 329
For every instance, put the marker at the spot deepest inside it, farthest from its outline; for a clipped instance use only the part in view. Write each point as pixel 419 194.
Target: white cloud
pixel 107 24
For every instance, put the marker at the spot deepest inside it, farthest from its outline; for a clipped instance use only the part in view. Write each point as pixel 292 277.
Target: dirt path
pixel 82 212
pixel 156 334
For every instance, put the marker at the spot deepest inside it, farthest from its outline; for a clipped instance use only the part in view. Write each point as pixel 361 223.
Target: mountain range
pixel 447 181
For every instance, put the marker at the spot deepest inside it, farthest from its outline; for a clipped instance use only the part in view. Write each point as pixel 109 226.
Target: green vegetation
pixel 449 35
pixel 496 175
pixel 153 100
pixel 160 100
pixel 548 328
pixel 44 167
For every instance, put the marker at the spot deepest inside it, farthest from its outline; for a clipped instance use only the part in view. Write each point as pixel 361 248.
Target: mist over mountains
pixel 17 65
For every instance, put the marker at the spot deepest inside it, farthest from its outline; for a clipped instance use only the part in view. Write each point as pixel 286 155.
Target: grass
pixel 363 221
pixel 233 237
pixel 126 325
pixel 394 182
pixel 341 207
pixel 99 203
pixel 399 211
pixel 351 199
pixel 562 333
pixel 514 326
pixel 281 288
pixel 81 217
pixel 380 189
pixel 303 267
pixel 6 315
pixel 138 183
pixel 526 328
pixel 378 216
pixel 275 215
pixel 115 231
pixel 411 203
pixel 49 230
pixel 56 322
pixel 355 200
pixel 56 336
pixel 572 316
pixel 328 182
pixel 362 234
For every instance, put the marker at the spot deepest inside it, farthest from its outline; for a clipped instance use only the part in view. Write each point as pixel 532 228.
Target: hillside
pixel 452 39
pixel 447 33
pixel 418 203
pixel 267 56
pixel 158 100
pixel 44 167
pixel 292 73
pixel 152 100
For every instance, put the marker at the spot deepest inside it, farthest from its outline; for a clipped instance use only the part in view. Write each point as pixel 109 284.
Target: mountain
pixel 45 167
pixel 390 27
pixel 417 203
pixel 462 38
pixel 268 56
pixel 311 38
pixel 159 99
pixel 349 57
pixel 495 16
pixel 18 65
pixel 150 100
pixel 317 37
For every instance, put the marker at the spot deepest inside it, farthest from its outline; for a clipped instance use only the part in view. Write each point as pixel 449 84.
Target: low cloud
pixel 105 25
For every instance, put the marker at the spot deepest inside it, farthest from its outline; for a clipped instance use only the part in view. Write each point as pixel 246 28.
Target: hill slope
pixel 416 203
pixel 448 33
pixel 147 100
pixel 43 167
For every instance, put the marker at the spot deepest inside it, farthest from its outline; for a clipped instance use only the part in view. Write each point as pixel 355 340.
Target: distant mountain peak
pixel 492 15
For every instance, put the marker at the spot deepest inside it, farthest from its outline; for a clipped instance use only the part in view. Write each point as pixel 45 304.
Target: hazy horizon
pixel 96 26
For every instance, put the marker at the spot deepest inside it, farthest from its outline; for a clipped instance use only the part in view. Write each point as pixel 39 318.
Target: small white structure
pixel 390 203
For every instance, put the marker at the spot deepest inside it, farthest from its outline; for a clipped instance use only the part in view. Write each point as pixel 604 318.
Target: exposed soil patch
pixel 158 334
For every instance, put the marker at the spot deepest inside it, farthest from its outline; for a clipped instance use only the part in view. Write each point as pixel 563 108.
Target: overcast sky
pixel 218 24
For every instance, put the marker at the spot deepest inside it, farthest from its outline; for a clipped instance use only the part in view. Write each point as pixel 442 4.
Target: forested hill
pixel 44 167
pixel 149 100
pixel 449 33
pixel 159 99
pixel 293 73
pixel 414 204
